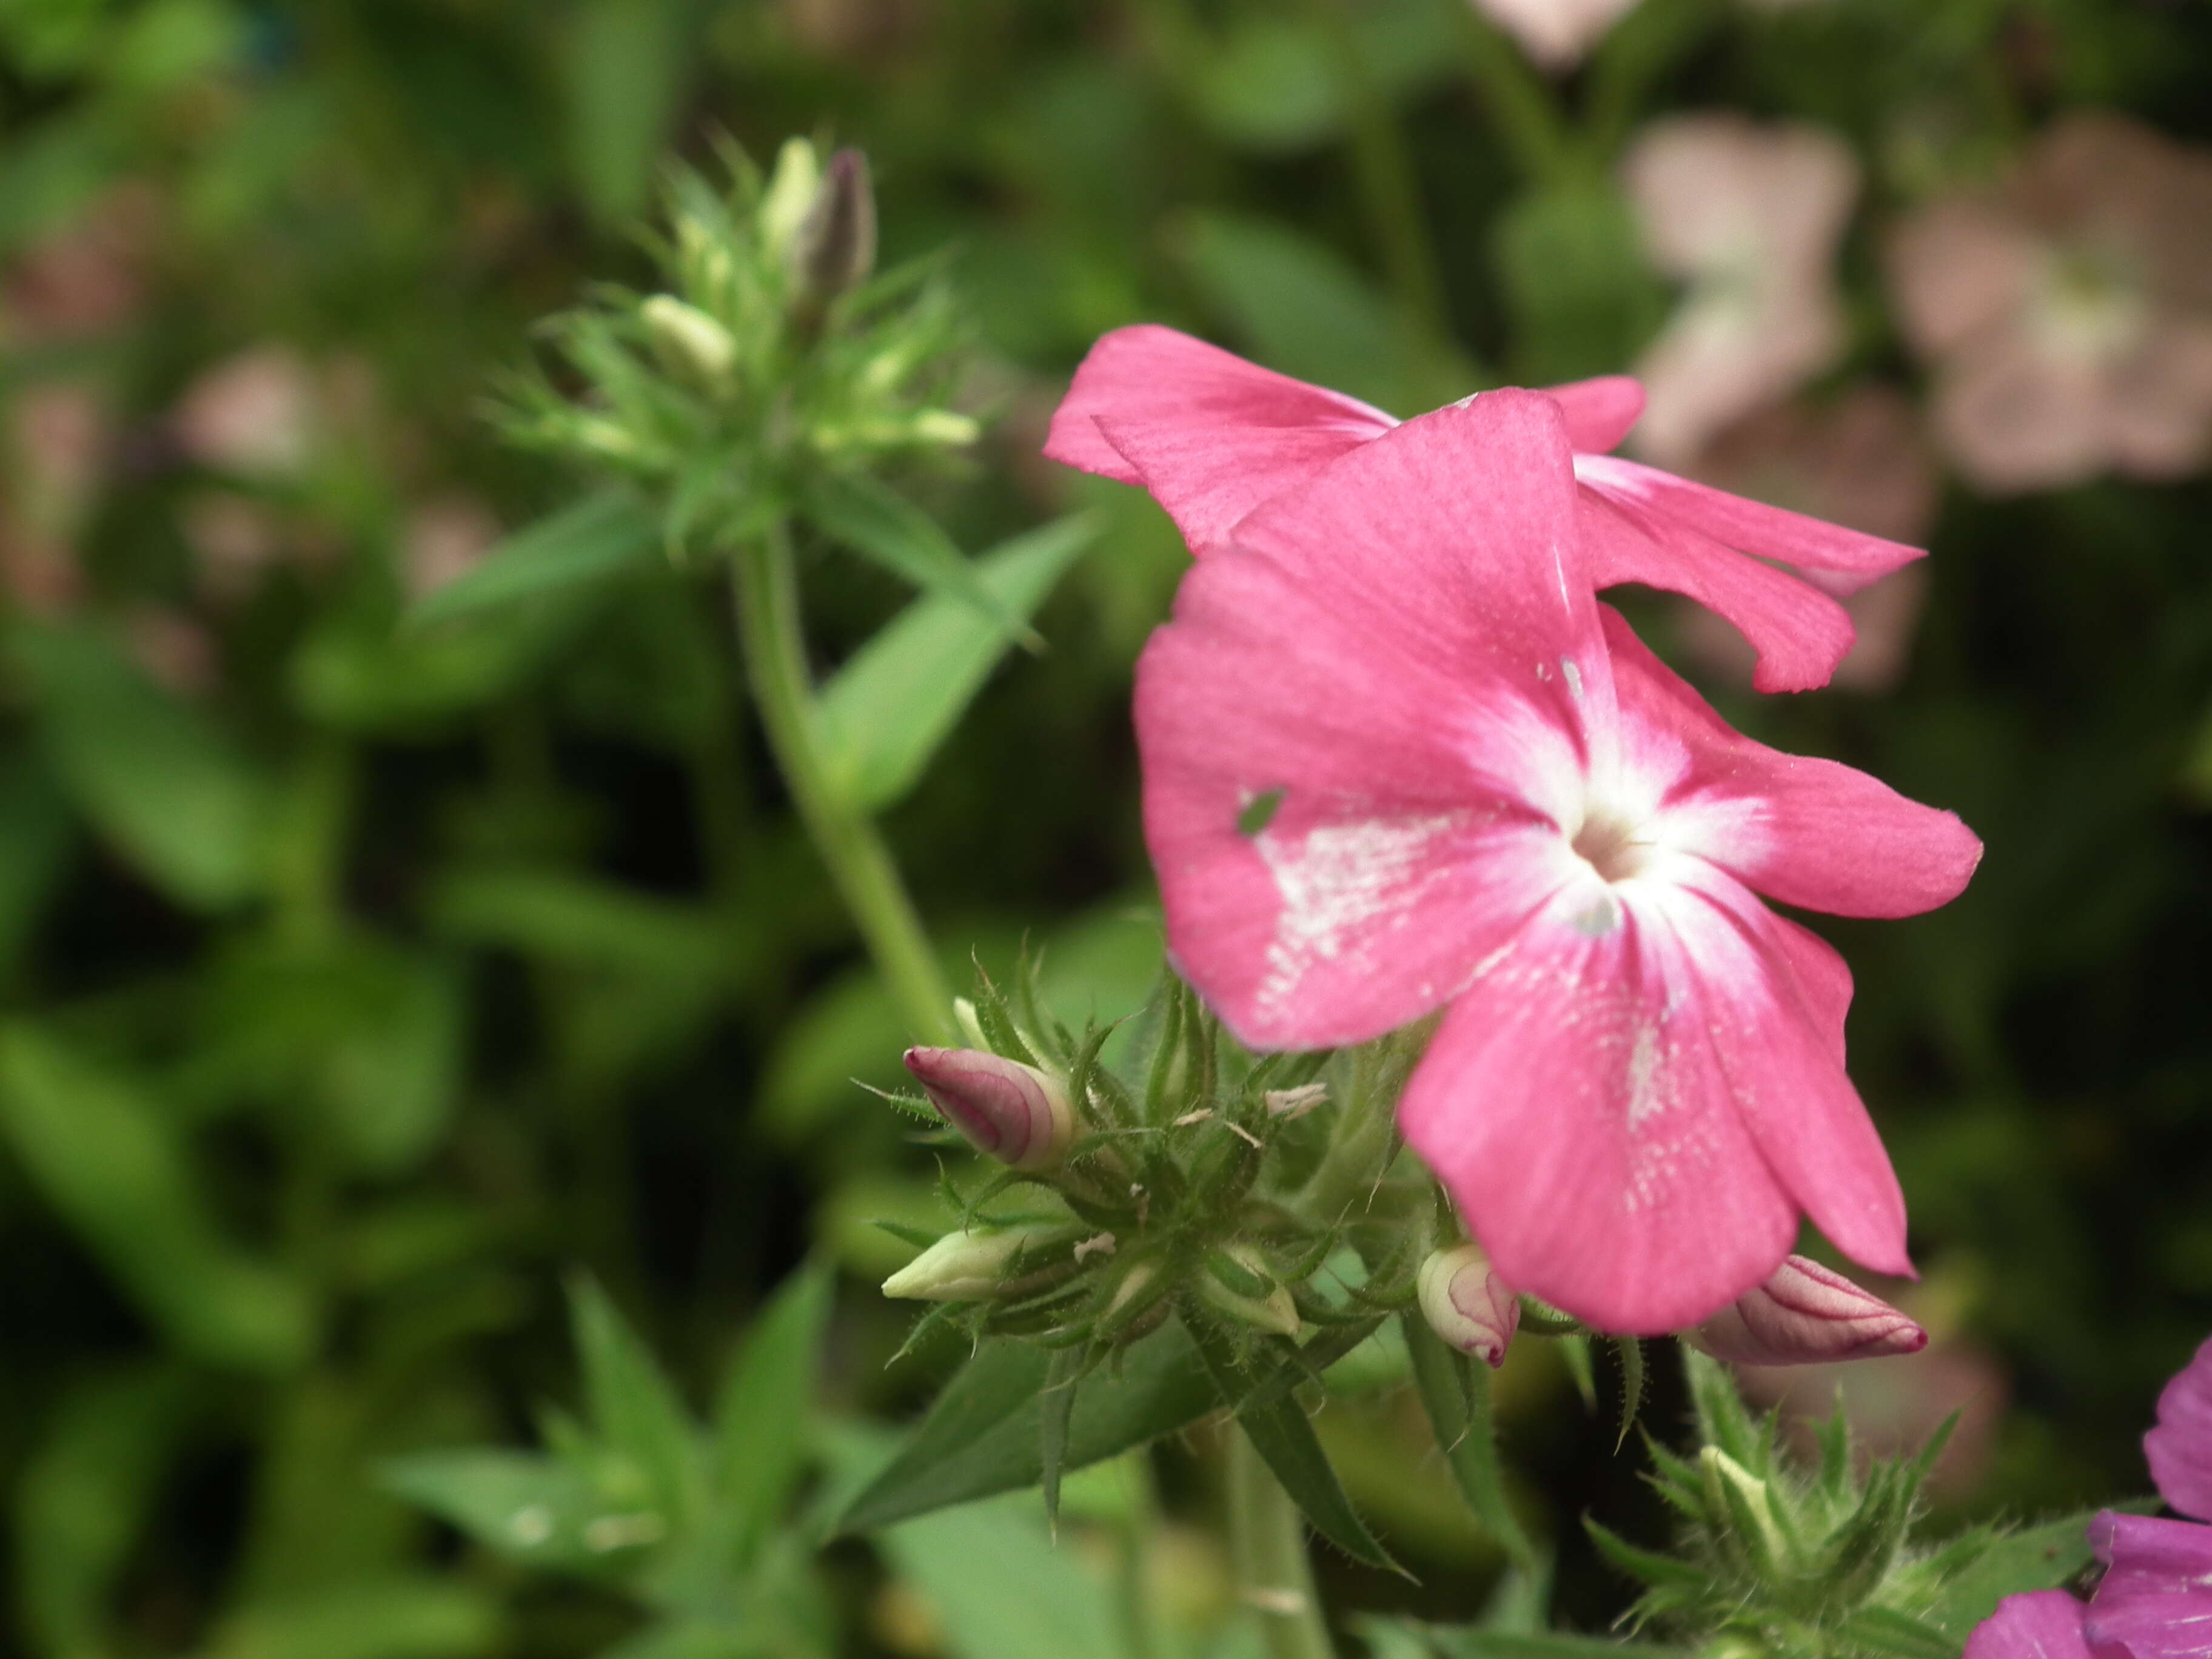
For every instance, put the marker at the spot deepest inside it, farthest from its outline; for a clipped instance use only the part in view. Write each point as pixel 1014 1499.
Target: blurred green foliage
pixel 363 979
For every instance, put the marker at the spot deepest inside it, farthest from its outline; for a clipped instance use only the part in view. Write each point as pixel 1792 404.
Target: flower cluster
pixel 1399 760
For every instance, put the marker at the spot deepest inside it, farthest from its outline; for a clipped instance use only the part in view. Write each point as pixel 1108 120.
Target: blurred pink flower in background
pixel 1748 215
pixel 2067 310
pixel 1556 33
pixel 255 414
pixel 446 538
pixel 1861 461
pixel 87 277
pixel 57 439
pixel 174 649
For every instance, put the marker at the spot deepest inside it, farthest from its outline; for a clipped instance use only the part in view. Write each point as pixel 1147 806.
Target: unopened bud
pixel 790 196
pixel 689 339
pixel 1466 1303
pixel 1803 1315
pixel 963 1266
pixel 835 246
pixel 1012 1112
pixel 1238 1283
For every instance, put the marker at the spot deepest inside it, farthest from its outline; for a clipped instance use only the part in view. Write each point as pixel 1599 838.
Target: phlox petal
pixel 2041 1624
pixel 2181 1448
pixel 1210 435
pixel 2150 1555
pixel 1799 632
pixel 1599 412
pixel 2167 1626
pixel 1575 1105
pixel 1808 832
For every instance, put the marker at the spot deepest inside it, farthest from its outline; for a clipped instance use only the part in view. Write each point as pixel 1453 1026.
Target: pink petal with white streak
pixel 1210 435
pixel 2150 1555
pixel 2181 1448
pixel 1574 1104
pixel 1808 832
pixel 1390 655
pixel 2041 1624
pixel 2151 1627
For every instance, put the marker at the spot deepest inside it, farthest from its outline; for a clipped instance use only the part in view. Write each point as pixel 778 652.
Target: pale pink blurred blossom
pixel 1556 33
pixel 1748 217
pixel 58 435
pixel 86 279
pixel 175 649
pixel 255 414
pixel 2066 310
pixel 234 539
pixel 445 539
pixel 1861 460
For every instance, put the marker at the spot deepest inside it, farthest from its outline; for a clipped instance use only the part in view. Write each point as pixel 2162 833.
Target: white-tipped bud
pixel 1012 1112
pixel 1238 1281
pixel 963 1266
pixel 1804 1314
pixel 792 189
pixel 689 338
pixel 1466 1303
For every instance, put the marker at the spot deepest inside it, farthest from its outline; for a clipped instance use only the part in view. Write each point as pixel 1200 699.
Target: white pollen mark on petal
pixel 1574 678
pixel 1543 671
pixel 1337 880
pixel 1644 1101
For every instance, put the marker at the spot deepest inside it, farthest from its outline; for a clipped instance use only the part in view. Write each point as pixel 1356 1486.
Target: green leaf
pixel 1499 1644
pixel 390 1082
pixel 597 539
pixel 624 67
pixel 567 917
pixel 885 715
pixel 418 1617
pixel 107 1158
pixel 1456 1390
pixel 91 1479
pixel 361 671
pixel 163 786
pixel 1001 1590
pixel 984 1434
pixel 527 1507
pixel 1630 1351
pixel 880 524
pixel 2041 1557
pixel 1884 1630
pixel 34 847
pixel 1061 1380
pixel 633 1407
pixel 1581 298
pixel 766 1400
pixel 1283 1436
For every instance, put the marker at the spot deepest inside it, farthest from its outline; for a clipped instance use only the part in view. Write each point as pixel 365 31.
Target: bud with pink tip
pixel 1014 1112
pixel 1805 1314
pixel 1466 1303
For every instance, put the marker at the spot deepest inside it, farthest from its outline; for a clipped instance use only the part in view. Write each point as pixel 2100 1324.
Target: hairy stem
pixel 775 648
pixel 1267 1548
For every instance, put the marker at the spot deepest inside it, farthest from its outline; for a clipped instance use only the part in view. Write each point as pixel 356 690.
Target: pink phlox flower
pixel 1747 216
pixel 2155 1600
pixel 1398 758
pixel 2068 309
pixel 1212 437
pixel 1556 33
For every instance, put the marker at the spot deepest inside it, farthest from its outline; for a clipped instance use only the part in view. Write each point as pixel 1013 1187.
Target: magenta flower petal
pixel 2181 1448
pixel 2041 1624
pixel 2150 1555
pixel 1574 1106
pixel 1799 632
pixel 1211 435
pixel 1342 826
pixel 2168 1627
pixel 1600 412
pixel 1807 832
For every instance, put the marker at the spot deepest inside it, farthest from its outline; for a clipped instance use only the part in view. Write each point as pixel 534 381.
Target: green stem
pixel 1519 105
pixel 1267 1551
pixel 775 647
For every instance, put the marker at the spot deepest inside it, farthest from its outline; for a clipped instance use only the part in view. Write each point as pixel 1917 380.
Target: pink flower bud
pixel 1014 1112
pixel 1803 1315
pixel 1466 1303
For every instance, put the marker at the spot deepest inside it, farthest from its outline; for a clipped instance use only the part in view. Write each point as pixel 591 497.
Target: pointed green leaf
pixel 1283 1438
pixel 1575 1353
pixel 1885 1631
pixel 623 68
pixel 766 1401
pixel 2041 1557
pixel 1062 1379
pixel 35 840
pixel 633 1407
pixel 1630 1350
pixel 1647 1566
pixel 880 524
pixel 106 1157
pixel 1499 1644
pixel 1456 1390
pixel 527 1507
pixel 166 789
pixel 415 1618
pixel 985 1434
pixel 597 539
pixel 890 707
pixel 990 1573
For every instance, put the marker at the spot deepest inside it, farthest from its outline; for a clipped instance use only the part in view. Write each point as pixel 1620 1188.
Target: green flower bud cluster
pixel 771 351
pixel 1790 1563
pixel 1195 1180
